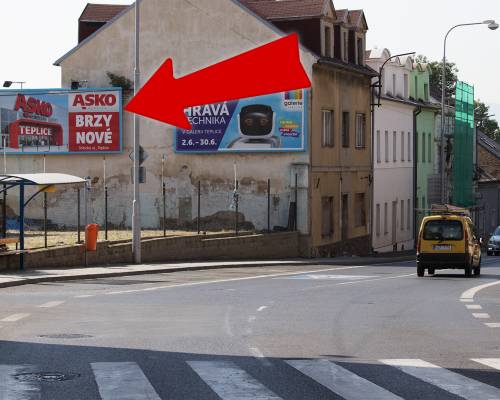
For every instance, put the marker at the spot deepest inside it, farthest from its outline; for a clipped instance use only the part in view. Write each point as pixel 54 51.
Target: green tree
pixel 435 78
pixel 484 120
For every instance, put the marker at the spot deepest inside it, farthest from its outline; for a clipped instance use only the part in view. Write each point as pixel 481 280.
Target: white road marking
pixel 260 356
pixel 470 293
pixel 328 277
pixel 452 382
pixel 492 324
pixel 227 323
pixel 481 315
pixel 341 381
pixel 14 317
pixel 230 382
pixel 473 307
pixel 467 300
pixel 355 282
pixel 13 389
pixel 261 308
pixel 489 362
pixel 84 296
pixel 231 280
pixel 51 304
pixel 122 381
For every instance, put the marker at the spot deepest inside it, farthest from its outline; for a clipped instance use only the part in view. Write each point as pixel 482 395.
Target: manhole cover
pixel 66 336
pixel 45 376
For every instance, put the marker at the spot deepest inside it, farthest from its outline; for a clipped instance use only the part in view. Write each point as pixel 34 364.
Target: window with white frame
pixel 386 146
pixel 360 130
pixel 409 146
pixel 402 146
pixel 377 219
pixel 402 215
pixel 378 146
pixel 394 146
pixel 327 133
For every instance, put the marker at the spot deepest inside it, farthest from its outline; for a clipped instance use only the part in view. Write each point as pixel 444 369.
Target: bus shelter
pixel 41 182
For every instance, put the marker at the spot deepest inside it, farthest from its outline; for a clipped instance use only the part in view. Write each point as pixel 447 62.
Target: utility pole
pixel 136 207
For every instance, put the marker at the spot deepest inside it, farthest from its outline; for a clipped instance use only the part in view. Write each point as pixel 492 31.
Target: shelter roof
pixel 48 178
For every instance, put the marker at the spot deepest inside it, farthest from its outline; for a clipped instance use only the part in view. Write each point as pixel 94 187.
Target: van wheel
pixel 468 270
pixel 420 271
pixel 431 271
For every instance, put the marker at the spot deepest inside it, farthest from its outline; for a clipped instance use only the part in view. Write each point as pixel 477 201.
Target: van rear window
pixel 443 229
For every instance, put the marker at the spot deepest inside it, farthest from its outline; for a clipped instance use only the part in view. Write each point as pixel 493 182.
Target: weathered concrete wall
pixel 182 248
pixel 194 34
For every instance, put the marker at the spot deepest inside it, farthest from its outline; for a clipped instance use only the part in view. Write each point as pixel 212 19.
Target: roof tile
pixel 101 12
pixel 272 9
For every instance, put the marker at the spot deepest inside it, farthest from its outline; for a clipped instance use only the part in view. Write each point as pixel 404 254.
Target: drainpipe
pixel 416 112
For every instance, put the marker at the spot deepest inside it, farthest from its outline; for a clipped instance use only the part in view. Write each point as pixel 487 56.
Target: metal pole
pixel 164 194
pixel 105 213
pixel 199 207
pixel 21 226
pixel 268 205
pixel 4 212
pixel 136 209
pixel 78 211
pixel 296 202
pixel 236 200
pixel 45 218
pixel 85 215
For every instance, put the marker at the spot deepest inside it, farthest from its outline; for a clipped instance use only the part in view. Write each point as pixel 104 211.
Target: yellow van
pixel 448 239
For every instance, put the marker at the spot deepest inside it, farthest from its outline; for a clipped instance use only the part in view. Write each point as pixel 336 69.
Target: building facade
pixel 393 180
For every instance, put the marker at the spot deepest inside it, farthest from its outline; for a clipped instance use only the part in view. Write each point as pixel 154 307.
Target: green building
pixel 424 134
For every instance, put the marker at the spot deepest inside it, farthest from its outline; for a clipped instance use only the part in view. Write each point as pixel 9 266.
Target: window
pixel 426 91
pixel 394 85
pixel 423 147
pixel 378 146
pixel 327 129
pixel 360 205
pixel 345 129
pixel 386 146
pixel 409 146
pixel 424 204
pixel 405 86
pixel 408 216
pixel 346 47
pixel 377 219
pixel 327 216
pixel 328 42
pixel 429 149
pixel 360 130
pixel 402 146
pixel 394 144
pixel 416 88
pixel 402 215
pixel 361 52
pixel 386 217
pixel 443 229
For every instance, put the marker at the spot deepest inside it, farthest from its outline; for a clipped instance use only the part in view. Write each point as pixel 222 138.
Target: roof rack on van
pixel 449 209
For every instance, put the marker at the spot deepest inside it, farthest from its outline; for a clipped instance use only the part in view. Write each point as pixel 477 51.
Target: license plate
pixel 442 247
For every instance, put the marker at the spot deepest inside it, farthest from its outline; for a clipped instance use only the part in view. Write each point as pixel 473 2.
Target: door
pixel 345 216
pixel 394 225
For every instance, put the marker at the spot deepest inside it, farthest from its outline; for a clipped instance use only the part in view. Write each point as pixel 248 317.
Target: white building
pixel 393 184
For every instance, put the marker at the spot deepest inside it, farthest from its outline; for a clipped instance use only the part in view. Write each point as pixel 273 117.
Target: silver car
pixel 493 247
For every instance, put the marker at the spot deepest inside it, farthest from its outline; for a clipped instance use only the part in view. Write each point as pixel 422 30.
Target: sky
pixel 35 33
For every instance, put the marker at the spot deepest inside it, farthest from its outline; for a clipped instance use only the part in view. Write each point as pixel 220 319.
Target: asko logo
pixel 94 100
pixel 33 106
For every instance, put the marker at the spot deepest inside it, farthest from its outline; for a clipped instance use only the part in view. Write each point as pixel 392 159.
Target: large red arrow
pixel 272 68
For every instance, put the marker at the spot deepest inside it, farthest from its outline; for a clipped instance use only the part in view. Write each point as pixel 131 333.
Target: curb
pixel 61 278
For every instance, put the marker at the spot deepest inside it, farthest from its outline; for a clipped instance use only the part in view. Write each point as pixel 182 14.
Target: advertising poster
pixel 272 123
pixel 60 121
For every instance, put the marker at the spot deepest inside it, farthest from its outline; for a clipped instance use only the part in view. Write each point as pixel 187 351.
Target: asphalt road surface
pixel 367 332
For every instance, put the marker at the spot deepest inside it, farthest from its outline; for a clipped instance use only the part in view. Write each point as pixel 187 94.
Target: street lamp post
pixel 491 25
pixel 136 208
pixel 8 84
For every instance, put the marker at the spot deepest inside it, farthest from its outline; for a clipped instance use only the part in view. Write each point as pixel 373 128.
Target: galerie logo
pixel 293 100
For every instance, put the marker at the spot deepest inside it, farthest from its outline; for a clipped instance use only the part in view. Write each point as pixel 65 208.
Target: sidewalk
pixel 64 274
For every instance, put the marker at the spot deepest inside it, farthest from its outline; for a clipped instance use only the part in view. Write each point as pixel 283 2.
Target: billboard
pixel 46 121
pixel 271 123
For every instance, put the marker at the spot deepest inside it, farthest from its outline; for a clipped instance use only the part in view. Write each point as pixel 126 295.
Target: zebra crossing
pixel 230 381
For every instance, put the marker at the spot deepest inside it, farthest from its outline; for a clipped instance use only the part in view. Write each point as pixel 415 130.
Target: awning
pixel 41 179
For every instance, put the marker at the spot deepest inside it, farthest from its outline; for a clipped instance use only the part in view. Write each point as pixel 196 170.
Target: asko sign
pixel 62 121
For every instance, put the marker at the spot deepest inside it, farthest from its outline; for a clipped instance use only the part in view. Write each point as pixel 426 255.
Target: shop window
pixel 360 130
pixel 327 133
pixel 326 216
pixel 345 129
pixel 360 206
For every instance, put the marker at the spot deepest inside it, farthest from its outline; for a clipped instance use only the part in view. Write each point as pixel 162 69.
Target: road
pixel 367 332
